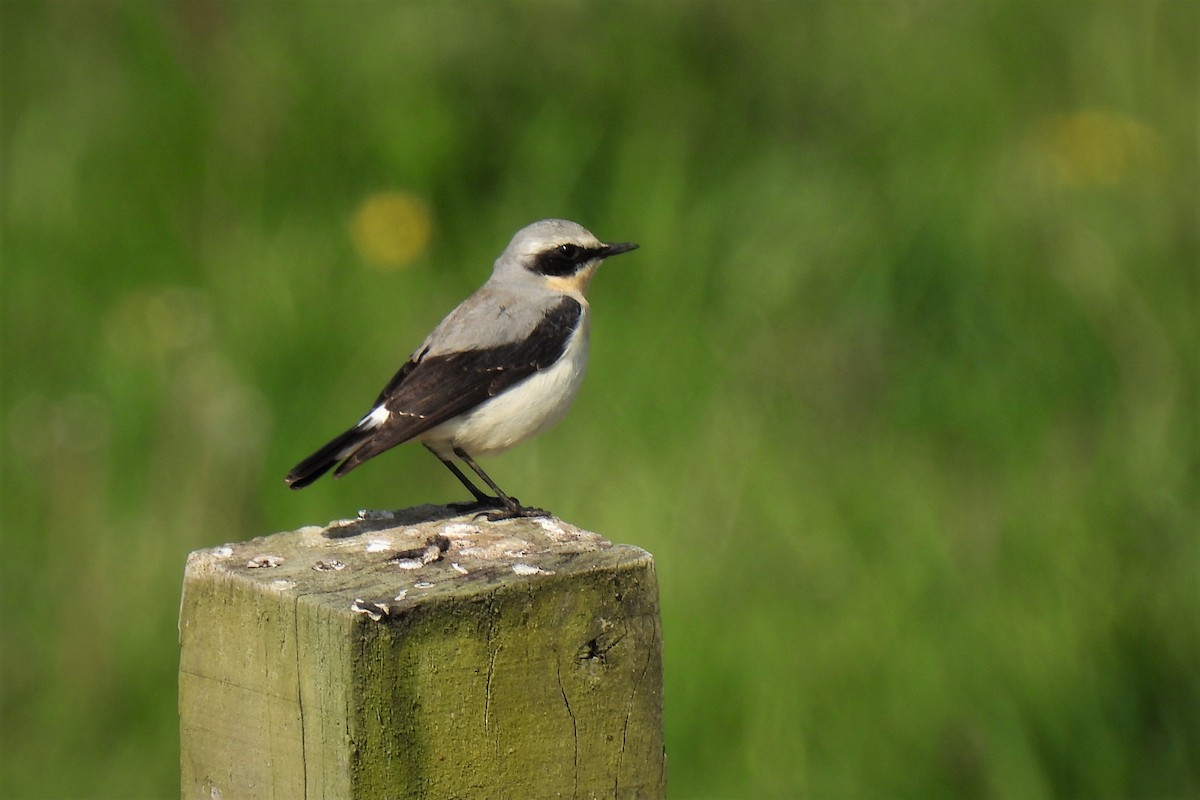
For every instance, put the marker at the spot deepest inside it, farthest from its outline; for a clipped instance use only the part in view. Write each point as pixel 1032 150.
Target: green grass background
pixel 901 389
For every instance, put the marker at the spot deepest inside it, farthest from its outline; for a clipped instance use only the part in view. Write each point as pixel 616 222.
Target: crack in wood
pixel 300 695
pixel 574 723
pixel 625 728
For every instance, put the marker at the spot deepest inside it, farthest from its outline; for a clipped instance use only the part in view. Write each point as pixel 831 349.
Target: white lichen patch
pixel 282 585
pixel 459 529
pixel 461 570
pixel 553 528
pixel 331 565
pixel 378 545
pixel 488 547
pixel 224 551
pixel 264 562
pixel 422 585
pixel 408 563
pixel 522 568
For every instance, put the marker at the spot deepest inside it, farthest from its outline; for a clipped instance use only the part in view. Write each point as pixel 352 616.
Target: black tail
pixel 324 459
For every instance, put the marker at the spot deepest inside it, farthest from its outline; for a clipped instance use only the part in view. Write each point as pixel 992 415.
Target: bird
pixel 502 367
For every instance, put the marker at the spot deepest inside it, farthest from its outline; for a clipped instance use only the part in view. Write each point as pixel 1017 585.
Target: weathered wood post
pixel 419 654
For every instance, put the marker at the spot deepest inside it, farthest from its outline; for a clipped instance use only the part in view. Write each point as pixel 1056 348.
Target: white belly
pixel 523 410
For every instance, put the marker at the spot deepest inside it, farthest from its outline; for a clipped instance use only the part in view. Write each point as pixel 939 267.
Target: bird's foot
pixel 498 508
pixel 517 512
pixel 478 505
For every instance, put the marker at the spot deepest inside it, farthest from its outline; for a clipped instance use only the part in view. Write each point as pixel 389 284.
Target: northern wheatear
pixel 501 367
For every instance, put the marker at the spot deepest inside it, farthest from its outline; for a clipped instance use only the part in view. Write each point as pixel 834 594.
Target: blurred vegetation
pixel 901 389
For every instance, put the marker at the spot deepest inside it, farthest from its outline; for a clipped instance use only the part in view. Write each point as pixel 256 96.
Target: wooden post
pixel 419 654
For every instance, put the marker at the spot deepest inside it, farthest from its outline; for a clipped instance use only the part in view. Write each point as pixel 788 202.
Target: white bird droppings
pixel 376 611
pixel 431 553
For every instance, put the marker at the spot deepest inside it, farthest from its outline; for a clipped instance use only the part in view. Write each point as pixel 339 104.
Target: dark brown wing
pixel 430 390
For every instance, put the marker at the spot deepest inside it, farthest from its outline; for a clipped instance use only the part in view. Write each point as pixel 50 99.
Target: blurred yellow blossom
pixel 390 229
pixel 1095 148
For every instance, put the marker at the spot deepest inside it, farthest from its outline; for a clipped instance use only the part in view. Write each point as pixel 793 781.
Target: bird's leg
pixel 511 507
pixel 481 499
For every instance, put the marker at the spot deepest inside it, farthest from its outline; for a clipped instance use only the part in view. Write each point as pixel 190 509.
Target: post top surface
pixel 385 561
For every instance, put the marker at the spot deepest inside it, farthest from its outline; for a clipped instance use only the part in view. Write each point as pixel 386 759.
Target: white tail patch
pixel 379 415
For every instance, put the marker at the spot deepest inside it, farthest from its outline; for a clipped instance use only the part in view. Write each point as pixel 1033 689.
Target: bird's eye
pixel 569 251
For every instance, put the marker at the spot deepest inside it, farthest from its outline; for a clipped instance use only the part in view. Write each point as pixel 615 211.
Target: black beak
pixel 616 248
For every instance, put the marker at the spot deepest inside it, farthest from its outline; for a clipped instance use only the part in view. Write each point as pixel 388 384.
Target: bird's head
pixel 563 255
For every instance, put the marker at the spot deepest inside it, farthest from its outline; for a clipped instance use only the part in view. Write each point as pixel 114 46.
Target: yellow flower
pixel 391 229
pixel 1095 148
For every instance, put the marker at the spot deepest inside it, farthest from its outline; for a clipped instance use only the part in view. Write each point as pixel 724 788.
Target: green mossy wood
pixel 418 654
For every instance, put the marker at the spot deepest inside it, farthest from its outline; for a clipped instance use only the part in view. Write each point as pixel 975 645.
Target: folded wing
pixel 429 390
